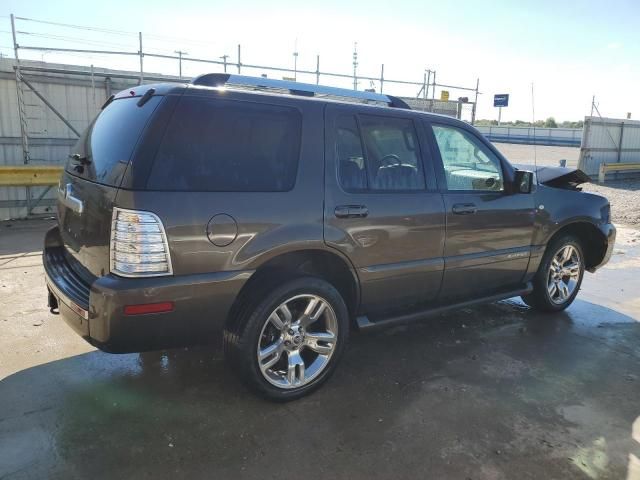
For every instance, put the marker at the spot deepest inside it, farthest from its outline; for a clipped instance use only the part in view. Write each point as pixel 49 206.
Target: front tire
pixel 559 276
pixel 288 342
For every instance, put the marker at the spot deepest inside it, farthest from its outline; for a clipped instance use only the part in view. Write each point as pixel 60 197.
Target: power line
pixel 80 27
pixel 117 32
pixel 65 38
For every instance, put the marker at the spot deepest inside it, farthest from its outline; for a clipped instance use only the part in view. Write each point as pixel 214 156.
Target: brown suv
pixel 287 214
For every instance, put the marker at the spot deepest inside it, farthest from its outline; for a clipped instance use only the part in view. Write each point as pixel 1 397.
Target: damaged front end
pixel 565 178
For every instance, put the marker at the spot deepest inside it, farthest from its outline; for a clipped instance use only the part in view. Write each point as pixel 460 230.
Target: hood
pixel 560 177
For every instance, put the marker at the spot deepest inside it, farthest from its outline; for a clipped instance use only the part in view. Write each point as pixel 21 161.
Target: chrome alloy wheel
pixel 297 341
pixel 564 274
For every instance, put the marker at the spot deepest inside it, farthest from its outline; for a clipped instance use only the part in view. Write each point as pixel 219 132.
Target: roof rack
pixel 295 88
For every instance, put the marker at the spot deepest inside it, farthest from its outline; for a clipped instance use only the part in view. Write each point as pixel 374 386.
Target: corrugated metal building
pixel 77 96
pixel 609 140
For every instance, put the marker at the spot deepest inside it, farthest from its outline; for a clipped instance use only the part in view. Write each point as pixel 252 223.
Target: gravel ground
pixel 624 196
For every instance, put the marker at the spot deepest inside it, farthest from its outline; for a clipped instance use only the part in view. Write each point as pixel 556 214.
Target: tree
pixel 550 123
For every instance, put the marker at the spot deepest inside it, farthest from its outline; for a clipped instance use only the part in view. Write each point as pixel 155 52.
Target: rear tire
pixel 288 340
pixel 559 275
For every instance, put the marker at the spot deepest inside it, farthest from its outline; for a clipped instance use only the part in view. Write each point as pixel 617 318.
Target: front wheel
pixel 559 276
pixel 289 342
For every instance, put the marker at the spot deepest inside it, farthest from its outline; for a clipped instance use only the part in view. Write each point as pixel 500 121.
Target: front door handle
pixel 464 208
pixel 351 211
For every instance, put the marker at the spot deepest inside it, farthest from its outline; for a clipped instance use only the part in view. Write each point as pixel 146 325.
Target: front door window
pixel 468 165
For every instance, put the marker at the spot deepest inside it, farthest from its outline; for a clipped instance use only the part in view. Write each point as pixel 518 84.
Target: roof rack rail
pixel 295 88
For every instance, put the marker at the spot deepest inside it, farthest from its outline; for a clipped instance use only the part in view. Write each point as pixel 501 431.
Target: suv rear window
pixel 228 146
pixel 110 140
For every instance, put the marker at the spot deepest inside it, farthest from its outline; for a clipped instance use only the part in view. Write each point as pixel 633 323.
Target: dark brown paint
pixel 408 251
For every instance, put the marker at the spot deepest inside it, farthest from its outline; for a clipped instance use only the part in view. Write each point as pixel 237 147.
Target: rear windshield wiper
pixel 109 100
pixel 76 157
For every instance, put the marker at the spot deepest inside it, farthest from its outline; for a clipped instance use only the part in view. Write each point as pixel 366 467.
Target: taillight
pixel 139 245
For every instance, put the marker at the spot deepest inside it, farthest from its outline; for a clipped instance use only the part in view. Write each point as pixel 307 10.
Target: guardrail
pixel 29 175
pixel 616 167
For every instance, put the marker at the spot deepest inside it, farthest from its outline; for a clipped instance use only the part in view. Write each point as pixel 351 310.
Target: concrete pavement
pixel 492 392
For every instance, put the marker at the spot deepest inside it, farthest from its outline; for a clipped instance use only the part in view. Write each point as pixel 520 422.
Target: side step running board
pixel 365 324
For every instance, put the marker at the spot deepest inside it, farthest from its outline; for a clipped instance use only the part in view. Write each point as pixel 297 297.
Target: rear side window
pixel 378 153
pixel 105 148
pixel 228 146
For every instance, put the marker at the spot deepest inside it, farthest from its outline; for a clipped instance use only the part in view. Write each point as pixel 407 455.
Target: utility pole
pixel 180 53
pixel 475 102
pixel 295 61
pixel 224 59
pixel 141 57
pixel 355 65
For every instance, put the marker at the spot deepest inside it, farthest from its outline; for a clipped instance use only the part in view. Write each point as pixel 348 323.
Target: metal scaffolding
pixel 425 98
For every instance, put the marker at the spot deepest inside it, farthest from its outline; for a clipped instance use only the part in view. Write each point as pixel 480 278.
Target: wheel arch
pixel 323 263
pixel 592 240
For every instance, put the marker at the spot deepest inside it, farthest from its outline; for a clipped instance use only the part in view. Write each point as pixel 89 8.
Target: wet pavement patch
pixel 488 392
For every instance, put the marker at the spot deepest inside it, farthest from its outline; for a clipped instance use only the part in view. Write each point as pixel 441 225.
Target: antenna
pixel 533 122
pixel 355 65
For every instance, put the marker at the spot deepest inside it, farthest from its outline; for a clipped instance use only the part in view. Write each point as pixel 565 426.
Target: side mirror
pixel 523 182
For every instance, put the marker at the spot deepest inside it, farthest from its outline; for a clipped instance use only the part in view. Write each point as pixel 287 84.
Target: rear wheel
pixel 287 343
pixel 559 276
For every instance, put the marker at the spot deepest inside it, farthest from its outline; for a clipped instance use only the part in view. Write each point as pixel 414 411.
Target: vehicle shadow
pixel 485 392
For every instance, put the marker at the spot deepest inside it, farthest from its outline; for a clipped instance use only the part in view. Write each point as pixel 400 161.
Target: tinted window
pixel 383 156
pixel 468 164
pixel 109 141
pixel 351 169
pixel 219 145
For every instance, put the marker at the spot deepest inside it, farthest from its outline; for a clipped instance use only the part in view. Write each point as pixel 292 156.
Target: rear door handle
pixel 70 201
pixel 464 208
pixel 351 211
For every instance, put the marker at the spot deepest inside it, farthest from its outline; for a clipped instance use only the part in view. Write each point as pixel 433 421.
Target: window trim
pixel 420 157
pixel 212 99
pixel 439 164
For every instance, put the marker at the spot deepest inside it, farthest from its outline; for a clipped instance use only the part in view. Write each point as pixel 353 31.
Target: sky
pixel 567 50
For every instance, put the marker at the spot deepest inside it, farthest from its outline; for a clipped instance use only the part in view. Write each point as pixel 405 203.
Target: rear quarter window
pixel 109 142
pixel 221 145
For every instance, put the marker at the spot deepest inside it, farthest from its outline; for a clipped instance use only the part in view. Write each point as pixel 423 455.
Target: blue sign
pixel 501 100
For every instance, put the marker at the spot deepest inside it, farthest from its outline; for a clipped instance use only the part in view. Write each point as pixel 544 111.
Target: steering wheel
pixel 390 159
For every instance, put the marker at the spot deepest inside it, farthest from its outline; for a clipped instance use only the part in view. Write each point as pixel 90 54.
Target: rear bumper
pixel 201 304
